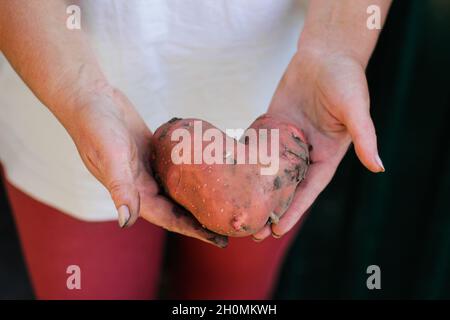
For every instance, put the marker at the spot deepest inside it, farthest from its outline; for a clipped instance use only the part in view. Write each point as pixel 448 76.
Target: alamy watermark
pixel 256 147
pixel 73 281
pixel 374 280
pixel 73 21
pixel 373 22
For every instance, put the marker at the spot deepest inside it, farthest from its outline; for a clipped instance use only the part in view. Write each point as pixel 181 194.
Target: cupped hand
pixel 114 144
pixel 326 95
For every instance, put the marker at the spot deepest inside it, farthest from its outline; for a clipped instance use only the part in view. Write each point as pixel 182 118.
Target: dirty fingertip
pixel 124 216
pixel 219 240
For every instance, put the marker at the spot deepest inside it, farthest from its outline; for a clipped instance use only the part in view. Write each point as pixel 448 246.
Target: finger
pixel 362 131
pixel 120 182
pixel 161 212
pixel 126 200
pixel 318 176
pixel 262 234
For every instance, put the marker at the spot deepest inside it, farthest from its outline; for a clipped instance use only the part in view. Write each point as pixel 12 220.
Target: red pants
pixel 126 264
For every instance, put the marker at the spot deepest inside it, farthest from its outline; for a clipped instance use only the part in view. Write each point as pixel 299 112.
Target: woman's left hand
pixel 326 95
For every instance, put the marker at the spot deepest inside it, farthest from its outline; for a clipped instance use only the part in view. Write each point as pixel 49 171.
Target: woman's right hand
pixel 62 70
pixel 114 144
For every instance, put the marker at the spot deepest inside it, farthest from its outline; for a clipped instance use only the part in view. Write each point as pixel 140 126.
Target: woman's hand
pixel 324 91
pixel 114 143
pixel 62 70
pixel 327 96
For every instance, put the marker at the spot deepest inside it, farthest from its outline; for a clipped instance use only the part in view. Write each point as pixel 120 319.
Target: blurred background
pixel 399 220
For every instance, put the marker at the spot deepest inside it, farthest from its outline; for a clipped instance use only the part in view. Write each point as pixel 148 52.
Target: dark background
pixel 14 283
pixel 399 220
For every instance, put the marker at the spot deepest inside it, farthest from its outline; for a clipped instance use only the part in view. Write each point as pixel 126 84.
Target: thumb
pixel 121 186
pixel 362 131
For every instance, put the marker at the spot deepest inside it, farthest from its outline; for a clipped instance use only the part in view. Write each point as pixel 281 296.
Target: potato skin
pixel 232 199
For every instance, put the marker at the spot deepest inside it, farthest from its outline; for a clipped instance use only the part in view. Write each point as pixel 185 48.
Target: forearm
pixel 56 63
pixel 341 27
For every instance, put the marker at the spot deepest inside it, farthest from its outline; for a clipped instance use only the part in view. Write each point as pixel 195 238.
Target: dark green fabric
pixel 398 220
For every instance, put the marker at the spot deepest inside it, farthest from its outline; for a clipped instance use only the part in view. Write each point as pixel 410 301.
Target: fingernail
pixel 276 236
pixel 256 239
pixel 379 162
pixel 124 216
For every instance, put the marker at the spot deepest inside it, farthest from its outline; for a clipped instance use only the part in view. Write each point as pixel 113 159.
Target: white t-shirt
pixel 218 60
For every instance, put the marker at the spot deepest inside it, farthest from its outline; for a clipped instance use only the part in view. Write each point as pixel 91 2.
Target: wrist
pixel 83 102
pixel 341 27
pixel 78 85
pixel 332 44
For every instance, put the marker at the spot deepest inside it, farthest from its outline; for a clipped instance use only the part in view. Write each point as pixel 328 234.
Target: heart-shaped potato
pixel 236 197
